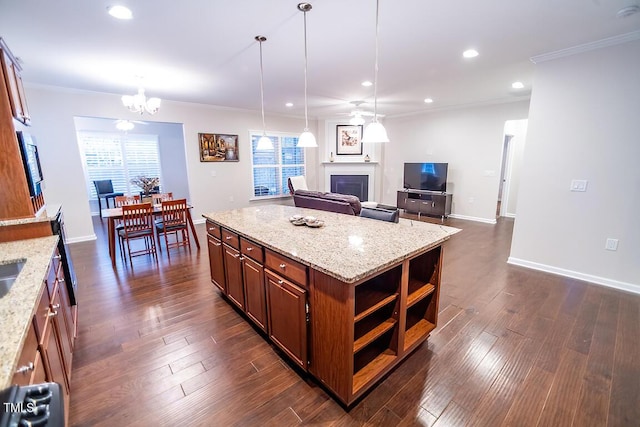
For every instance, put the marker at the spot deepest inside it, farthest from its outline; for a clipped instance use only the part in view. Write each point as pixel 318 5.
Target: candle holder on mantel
pixel 367 158
pixel 331 159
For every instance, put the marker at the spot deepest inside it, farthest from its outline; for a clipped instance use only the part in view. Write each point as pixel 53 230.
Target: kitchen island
pixel 346 302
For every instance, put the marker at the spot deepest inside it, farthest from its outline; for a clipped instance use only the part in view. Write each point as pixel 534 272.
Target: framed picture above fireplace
pixel 348 140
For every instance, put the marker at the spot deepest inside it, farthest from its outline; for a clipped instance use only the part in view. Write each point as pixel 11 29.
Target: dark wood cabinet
pixel 233 274
pixel 254 292
pixel 425 202
pixel 216 262
pixel 287 312
pixel 30 369
pixel 15 87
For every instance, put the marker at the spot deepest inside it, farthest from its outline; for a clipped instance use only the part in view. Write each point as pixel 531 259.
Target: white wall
pixel 469 140
pixel 53 111
pixel 584 123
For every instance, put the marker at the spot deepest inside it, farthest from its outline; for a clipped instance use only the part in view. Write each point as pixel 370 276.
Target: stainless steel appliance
pixel 57 226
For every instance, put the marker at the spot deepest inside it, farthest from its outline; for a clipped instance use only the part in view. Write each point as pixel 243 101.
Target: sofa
pixel 332 202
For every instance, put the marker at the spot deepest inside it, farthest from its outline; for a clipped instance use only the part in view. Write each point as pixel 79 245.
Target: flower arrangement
pixel 146 184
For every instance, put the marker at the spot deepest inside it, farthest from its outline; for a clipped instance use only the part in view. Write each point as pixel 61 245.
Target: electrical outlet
pixel 579 185
pixel 611 245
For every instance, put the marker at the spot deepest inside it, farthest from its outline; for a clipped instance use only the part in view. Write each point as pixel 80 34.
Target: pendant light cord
pixel 306 116
pixel 375 71
pixel 264 126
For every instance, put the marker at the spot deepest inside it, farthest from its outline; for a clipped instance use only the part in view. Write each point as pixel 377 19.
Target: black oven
pixel 32 405
pixel 57 226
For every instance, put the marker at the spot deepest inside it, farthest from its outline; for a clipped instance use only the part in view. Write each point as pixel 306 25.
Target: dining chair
pixel 157 199
pixel 104 190
pixel 137 220
pixel 119 202
pixel 174 221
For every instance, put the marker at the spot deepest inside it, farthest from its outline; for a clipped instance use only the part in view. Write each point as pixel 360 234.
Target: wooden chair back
pixel 137 218
pixel 126 200
pixel 174 213
pixel 157 199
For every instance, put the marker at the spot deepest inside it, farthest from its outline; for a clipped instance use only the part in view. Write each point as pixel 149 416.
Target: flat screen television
pixel 31 161
pixel 426 176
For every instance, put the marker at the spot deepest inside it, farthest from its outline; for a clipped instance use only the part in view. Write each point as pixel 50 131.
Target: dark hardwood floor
pixel 158 345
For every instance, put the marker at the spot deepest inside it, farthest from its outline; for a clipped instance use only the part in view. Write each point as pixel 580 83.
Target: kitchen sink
pixel 8 275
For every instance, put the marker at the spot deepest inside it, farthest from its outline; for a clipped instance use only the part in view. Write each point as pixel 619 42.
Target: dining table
pixel 114 214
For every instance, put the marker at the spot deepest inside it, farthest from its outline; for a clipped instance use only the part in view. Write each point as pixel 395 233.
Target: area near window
pixel 118 158
pixel 272 168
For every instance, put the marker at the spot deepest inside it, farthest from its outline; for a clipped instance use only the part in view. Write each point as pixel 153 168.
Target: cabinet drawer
pixel 252 250
pixel 286 267
pixel 230 238
pixel 213 229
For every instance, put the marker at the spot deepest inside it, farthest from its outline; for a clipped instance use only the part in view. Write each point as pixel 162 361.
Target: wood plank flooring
pixel 158 345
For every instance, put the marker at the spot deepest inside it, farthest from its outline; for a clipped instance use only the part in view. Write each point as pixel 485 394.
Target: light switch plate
pixel 611 245
pixel 579 185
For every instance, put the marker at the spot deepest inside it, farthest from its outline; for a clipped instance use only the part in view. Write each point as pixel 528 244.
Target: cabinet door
pixel 65 306
pixel 216 263
pixel 254 292
pixel 426 207
pixel 402 200
pixel 286 306
pixel 52 358
pixel 60 323
pixel 413 205
pixel 14 87
pixel 233 272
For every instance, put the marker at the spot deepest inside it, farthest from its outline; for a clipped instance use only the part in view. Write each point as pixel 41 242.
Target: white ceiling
pixel 204 51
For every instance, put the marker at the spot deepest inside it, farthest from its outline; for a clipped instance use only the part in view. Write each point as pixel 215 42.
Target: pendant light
pixel 306 139
pixel 375 132
pixel 264 143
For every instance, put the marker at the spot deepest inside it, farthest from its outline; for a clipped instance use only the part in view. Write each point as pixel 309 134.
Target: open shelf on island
pixel 373 334
pixel 421 320
pixel 372 369
pixel 377 292
pixel 417 291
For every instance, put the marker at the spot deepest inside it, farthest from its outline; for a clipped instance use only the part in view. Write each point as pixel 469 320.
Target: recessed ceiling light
pixel 367 83
pixel 428 100
pixel 470 53
pixel 120 12
pixel 289 104
pixel 517 85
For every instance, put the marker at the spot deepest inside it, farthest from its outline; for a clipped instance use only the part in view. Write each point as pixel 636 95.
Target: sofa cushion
pixel 352 201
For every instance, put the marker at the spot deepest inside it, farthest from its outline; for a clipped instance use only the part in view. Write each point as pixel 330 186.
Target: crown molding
pixel 598 44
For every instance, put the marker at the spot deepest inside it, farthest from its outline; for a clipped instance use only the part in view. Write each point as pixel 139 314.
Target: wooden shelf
pixel 372 370
pixel 372 307
pixel 373 334
pixel 420 294
pixel 418 331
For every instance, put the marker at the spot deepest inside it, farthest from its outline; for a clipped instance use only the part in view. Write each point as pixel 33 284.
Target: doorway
pixel 512 152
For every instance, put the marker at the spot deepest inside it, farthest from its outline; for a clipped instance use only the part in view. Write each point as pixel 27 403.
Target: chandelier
pixel 139 103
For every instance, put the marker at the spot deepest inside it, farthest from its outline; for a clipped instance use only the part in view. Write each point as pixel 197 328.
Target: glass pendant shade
pixel 375 132
pixel 139 103
pixel 264 143
pixel 307 140
pixel 357 120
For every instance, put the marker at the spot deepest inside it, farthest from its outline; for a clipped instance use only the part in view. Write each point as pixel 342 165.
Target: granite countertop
pixel 347 247
pixel 45 214
pixel 17 307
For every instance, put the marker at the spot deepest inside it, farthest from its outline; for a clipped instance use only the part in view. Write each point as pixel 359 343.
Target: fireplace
pixel 356 185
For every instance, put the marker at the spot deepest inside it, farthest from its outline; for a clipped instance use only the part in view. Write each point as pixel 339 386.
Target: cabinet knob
pixel 283 266
pixel 241 258
pixel 280 282
pixel 216 244
pixel 249 249
pixel 26 368
pixel 52 313
pixel 236 255
pixel 61 279
pixel 228 237
pixel 55 306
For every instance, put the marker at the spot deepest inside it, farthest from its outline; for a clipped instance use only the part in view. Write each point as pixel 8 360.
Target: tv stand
pixel 433 203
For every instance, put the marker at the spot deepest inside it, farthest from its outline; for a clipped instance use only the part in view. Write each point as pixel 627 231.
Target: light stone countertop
pixel 48 213
pixel 347 247
pixel 18 306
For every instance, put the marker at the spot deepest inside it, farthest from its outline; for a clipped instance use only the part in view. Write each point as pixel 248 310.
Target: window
pixel 118 158
pixel 272 168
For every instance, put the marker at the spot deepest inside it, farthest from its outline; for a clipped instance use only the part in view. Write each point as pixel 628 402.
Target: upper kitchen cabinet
pixel 13 82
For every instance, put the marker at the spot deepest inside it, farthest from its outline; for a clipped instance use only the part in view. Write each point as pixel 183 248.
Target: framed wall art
pixel 349 140
pixel 217 147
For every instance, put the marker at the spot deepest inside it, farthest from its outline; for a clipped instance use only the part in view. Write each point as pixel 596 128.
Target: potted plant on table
pixel 146 184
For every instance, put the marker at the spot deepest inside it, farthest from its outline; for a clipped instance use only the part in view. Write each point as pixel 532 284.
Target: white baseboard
pixel 610 283
pixel 474 218
pixel 509 215
pixel 82 238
